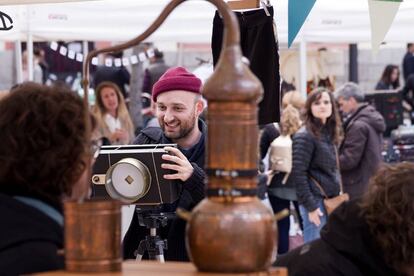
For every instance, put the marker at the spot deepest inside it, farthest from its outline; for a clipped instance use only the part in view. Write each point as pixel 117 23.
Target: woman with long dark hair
pixel 390 78
pixel 314 160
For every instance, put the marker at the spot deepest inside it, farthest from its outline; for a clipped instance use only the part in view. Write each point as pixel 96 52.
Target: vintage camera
pixel 133 175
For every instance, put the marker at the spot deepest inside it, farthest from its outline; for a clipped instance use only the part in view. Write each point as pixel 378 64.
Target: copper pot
pixel 93 236
pixel 236 237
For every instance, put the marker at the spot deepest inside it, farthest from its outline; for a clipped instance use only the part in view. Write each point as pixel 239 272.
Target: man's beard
pixel 185 128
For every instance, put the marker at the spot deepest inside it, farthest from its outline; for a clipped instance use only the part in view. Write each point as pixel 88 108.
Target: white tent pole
pixel 302 66
pixel 29 45
pixel 180 54
pixel 18 60
pixel 30 55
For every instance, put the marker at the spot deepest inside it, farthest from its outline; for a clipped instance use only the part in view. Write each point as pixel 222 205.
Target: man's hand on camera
pixel 180 164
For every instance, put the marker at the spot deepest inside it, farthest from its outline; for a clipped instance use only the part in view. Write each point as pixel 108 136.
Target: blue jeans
pixel 310 230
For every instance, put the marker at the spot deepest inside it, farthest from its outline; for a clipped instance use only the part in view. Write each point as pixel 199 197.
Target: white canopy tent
pixel 334 21
pixel 119 20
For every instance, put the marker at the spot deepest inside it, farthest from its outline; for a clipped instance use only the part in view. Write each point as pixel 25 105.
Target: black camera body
pixel 133 175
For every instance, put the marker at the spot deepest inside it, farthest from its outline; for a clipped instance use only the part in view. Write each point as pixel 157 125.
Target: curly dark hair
pixel 314 125
pixel 388 208
pixel 44 141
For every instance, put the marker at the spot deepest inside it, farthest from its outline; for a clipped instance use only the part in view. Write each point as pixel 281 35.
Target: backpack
pixel 280 155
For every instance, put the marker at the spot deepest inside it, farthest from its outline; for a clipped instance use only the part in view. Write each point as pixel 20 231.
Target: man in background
pixel 408 62
pixel 118 75
pixel 154 71
pixel 360 151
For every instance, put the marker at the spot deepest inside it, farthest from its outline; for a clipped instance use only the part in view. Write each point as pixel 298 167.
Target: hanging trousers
pixel 259 45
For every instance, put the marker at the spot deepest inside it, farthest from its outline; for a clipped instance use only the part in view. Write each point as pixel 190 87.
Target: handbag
pixel 332 203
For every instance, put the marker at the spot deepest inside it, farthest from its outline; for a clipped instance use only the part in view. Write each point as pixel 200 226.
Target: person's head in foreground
pixel 45 147
pixel 388 209
pixel 45 157
pixel 373 235
pixel 177 97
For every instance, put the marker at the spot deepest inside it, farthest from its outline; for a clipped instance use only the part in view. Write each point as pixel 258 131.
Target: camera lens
pixel 128 180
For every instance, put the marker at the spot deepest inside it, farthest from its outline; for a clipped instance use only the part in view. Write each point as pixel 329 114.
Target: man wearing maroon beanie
pixel 178 102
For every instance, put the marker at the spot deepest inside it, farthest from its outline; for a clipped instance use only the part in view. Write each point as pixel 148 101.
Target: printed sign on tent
pixel 382 14
pixel 298 11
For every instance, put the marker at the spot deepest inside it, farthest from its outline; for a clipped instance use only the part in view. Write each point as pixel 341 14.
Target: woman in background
pixel 314 160
pixel 112 114
pixel 280 195
pixel 390 79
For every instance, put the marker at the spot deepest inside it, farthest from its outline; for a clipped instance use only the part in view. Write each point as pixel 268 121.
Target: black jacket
pixel 192 193
pixel 345 248
pixel 30 239
pixel 408 65
pixel 118 75
pixel 360 152
pixel 314 157
pixel 152 74
pixel 383 86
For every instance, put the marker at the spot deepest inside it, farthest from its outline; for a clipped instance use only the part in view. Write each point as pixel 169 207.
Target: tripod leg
pixel 141 250
pixel 159 251
pixel 160 258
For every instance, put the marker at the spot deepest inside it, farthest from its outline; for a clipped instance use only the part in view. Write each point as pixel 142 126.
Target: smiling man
pixel 177 97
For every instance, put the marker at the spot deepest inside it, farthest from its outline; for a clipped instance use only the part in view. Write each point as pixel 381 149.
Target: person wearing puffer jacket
pixel 314 161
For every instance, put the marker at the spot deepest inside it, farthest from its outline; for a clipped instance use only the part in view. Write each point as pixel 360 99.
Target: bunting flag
pixel 382 14
pixel 109 62
pixel 298 11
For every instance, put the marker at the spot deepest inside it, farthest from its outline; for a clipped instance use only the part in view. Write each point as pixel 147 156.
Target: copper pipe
pixel 231 36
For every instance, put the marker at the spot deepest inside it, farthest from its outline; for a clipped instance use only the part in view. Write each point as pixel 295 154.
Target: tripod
pixel 152 243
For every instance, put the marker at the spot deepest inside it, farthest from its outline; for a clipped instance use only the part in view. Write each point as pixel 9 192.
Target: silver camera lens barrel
pixel 128 180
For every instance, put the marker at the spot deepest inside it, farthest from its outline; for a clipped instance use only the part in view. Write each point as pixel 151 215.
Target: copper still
pixel 230 230
pixel 93 236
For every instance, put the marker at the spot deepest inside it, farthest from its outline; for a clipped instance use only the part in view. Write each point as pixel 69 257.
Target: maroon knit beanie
pixel 176 78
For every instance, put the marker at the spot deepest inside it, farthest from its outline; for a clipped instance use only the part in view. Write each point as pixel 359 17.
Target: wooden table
pixel 144 268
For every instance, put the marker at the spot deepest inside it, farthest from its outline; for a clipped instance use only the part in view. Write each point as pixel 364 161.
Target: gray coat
pixel 360 152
